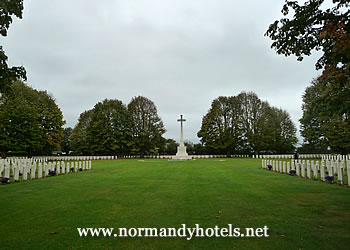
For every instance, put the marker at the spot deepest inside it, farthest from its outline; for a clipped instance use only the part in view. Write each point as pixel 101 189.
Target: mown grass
pixel 300 213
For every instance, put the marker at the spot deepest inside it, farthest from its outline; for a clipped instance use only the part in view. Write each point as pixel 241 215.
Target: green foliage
pixel 109 128
pixel 79 134
pixel 221 127
pixel 112 128
pixel 146 126
pixel 325 121
pixel 7 9
pixel 66 145
pixel 313 28
pixel 30 121
pixel 245 124
pixel 169 147
pixel 9 75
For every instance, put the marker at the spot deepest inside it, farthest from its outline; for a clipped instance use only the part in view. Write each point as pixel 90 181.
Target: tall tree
pixel 66 145
pixel 282 129
pixel 311 122
pixel 147 127
pixel 325 122
pixel 30 121
pixel 79 136
pixel 253 120
pixel 52 122
pixel 9 75
pixel 245 124
pixel 221 127
pixel 103 130
pixel 109 129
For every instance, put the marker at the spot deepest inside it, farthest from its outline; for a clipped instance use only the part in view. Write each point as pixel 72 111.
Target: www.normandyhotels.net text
pixel 183 232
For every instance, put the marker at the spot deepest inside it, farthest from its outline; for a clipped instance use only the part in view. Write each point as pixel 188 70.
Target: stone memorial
pixel 181 149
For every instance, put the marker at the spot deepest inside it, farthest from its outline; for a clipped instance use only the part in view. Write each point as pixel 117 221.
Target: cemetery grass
pixel 300 213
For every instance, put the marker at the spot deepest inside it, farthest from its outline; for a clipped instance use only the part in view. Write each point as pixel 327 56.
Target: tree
pixel 221 127
pixel 253 121
pixel 103 130
pixel 325 122
pixel 311 121
pixel 147 127
pixel 189 147
pixel 66 145
pixel 30 121
pixel 245 124
pixel 9 75
pixel 170 147
pixel 282 131
pixel 314 28
pixel 79 134
pixel 52 122
pixel 109 129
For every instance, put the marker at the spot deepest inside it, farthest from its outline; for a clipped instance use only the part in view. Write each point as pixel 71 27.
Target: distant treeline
pixel 31 123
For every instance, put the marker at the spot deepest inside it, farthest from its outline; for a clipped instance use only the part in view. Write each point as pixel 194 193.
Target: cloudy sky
pixel 180 54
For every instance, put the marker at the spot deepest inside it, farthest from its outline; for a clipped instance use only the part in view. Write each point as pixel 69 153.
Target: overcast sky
pixel 180 54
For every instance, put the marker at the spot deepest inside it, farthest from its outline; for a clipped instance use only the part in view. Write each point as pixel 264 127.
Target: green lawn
pixel 301 213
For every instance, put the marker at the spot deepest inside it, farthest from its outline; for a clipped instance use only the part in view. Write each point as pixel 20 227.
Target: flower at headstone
pixel 5 180
pixel 329 179
pixel 269 166
pixel 292 172
pixel 71 169
pixel 52 173
pixel 80 169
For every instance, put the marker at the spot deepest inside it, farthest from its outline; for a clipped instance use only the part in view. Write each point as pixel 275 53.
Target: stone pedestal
pixel 181 154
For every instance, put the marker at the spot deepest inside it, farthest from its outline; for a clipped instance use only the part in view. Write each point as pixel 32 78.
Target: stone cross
pixel 181 149
pixel 182 131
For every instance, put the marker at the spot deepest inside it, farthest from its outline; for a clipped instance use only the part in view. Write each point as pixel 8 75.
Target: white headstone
pixel 303 169
pixel 40 170
pixel 63 170
pixel 297 169
pixel 32 172
pixel 348 171
pixel 25 174
pixel 67 167
pixel 308 169
pixel 322 171
pixel 340 173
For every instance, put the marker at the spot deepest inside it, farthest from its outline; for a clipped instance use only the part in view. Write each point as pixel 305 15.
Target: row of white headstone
pixel 36 170
pixel 336 157
pixel 312 169
pixel 273 156
pixel 76 158
pixel 305 156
